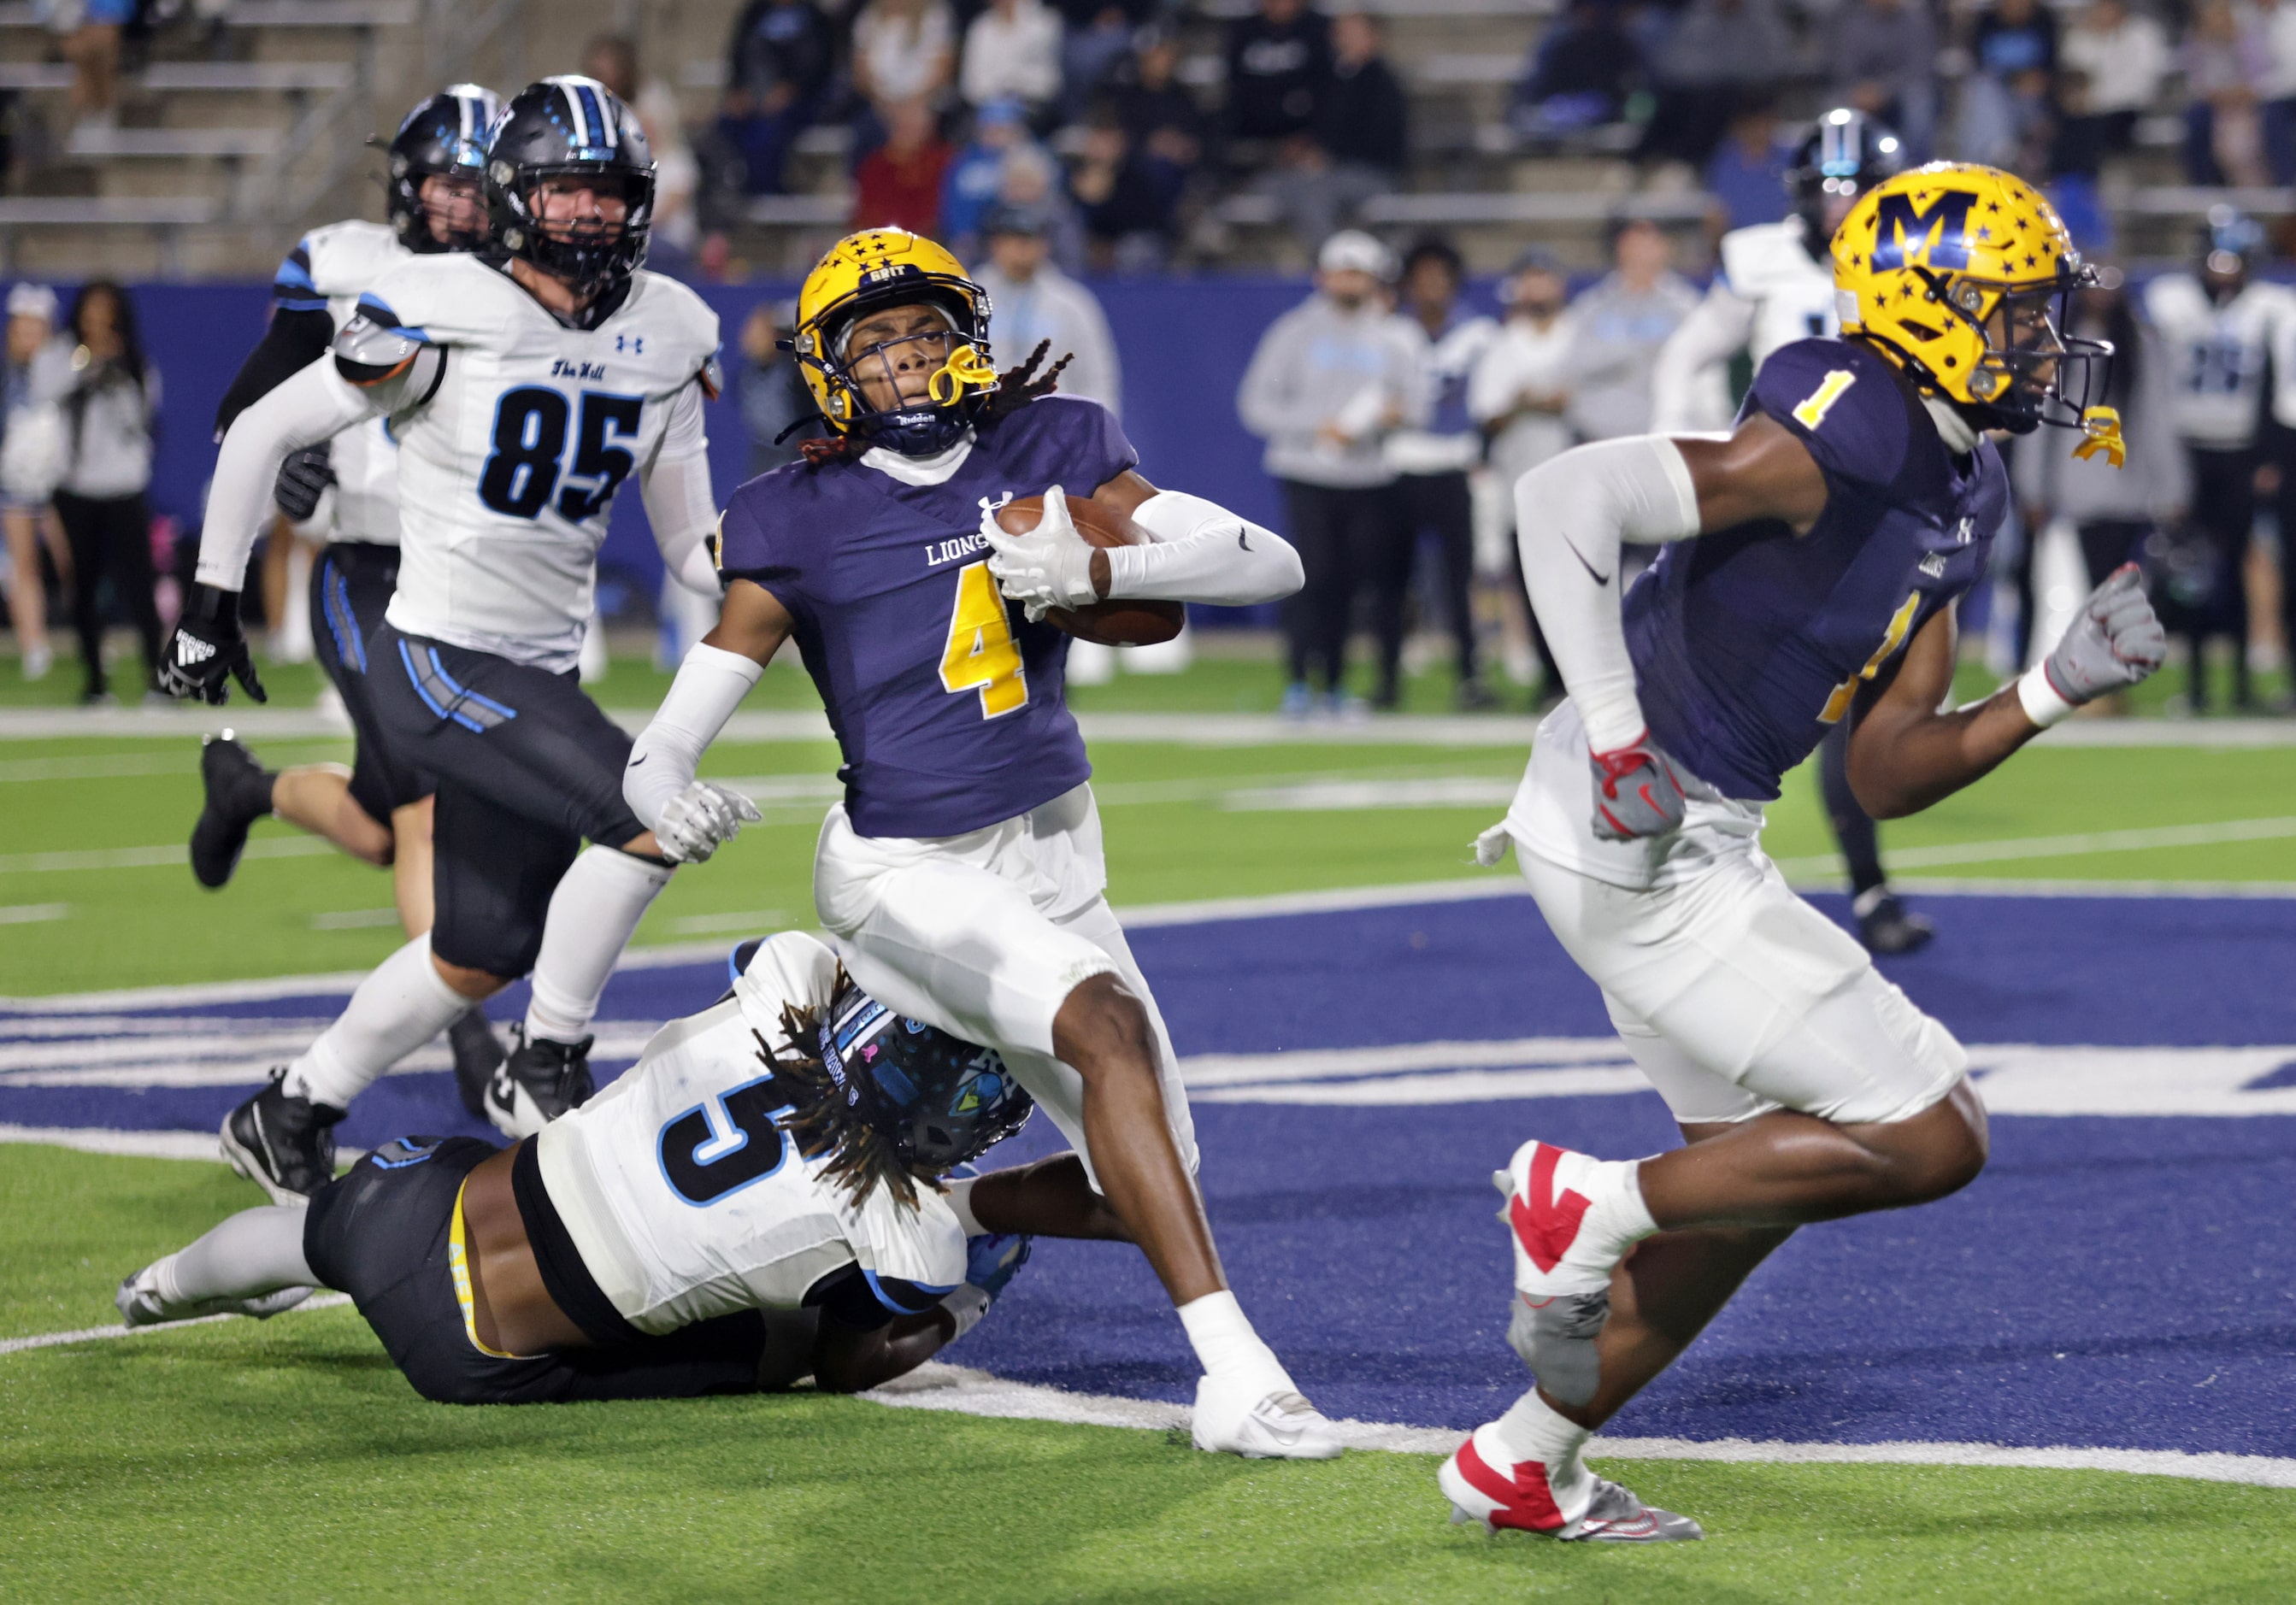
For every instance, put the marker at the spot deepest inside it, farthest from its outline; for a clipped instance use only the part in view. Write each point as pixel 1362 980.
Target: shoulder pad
pixel 369 350
pixel 1758 256
pixel 1843 401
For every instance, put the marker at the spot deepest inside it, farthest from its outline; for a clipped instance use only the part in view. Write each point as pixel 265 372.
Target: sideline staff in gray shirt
pixel 1331 379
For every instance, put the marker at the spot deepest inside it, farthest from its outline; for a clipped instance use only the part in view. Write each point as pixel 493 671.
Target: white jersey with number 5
pixel 508 468
pixel 329 269
pixel 687 1201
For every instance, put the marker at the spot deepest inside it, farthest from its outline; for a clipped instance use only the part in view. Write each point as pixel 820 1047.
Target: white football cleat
pixel 1282 1425
pixel 1562 1282
pixel 140 1305
pixel 1486 1487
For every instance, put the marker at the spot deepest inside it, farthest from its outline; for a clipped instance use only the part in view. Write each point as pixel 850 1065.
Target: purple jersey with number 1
pixel 946 702
pixel 1748 644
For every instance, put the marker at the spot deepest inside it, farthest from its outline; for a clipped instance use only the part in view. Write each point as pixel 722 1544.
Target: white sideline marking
pixel 16 1345
pixel 152 857
pixel 934 1386
pixel 34 913
pixel 2068 847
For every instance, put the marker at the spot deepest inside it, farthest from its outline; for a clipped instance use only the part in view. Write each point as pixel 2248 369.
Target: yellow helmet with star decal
pixel 1959 274
pixel 872 271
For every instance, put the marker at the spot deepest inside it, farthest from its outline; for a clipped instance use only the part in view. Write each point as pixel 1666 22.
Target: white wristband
pixel 2040 700
pixel 968 1304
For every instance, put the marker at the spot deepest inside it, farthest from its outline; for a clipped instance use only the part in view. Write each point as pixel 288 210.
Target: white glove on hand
pixel 700 820
pixel 1050 566
pixel 2115 642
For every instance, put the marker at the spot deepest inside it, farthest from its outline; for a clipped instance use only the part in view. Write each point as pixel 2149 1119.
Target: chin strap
pixel 2101 432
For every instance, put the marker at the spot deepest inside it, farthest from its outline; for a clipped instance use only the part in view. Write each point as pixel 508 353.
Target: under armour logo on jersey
pixel 633 343
pixel 1964 531
pixel 989 510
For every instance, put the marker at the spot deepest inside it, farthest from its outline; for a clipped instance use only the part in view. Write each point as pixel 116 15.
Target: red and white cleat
pixel 1484 1485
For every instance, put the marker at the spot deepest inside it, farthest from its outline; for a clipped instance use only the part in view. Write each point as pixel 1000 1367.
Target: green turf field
pixel 288 1459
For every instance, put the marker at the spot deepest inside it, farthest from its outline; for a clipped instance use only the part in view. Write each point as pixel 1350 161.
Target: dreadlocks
pixel 826 1120
pixel 1016 387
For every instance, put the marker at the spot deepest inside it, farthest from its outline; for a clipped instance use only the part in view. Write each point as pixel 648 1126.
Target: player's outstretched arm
pixel 1904 755
pixel 675 486
pixel 691 818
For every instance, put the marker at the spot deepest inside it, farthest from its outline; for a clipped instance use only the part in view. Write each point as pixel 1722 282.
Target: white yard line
pixel 2077 846
pixel 962 1390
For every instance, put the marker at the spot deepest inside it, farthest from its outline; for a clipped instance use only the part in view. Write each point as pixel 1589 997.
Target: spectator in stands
pixel 110 414
pixel 1090 50
pixel 1433 461
pixel 1013 49
pixel 1160 116
pixel 1330 379
pixel 2008 101
pixel 1747 173
pixel 1617 326
pixel 2225 59
pixel 1580 74
pixel 978 172
pixel 2123 56
pixel 88 34
pixel 2276 20
pixel 772 392
pixel 2114 511
pixel 1359 143
pixel 898 184
pixel 1518 395
pixel 613 58
pixel 1034 180
pixel 31 455
pixel 1128 200
pixel 778 71
pixel 903 50
pixel 1278 61
pixel 1033 300
pixel 1715 52
pixel 1884 60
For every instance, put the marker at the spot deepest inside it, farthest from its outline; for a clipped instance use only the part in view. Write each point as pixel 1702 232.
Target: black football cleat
pixel 478 1055
pixel 284 1145
pixel 540 1081
pixel 238 794
pixel 1888 927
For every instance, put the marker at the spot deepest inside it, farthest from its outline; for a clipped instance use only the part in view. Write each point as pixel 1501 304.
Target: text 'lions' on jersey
pixel 946 701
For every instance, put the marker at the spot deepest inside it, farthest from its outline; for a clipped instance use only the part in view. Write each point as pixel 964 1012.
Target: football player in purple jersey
pixel 963 874
pixel 1815 560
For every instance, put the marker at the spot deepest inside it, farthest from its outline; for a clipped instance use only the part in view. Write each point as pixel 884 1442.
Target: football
pixel 1126 623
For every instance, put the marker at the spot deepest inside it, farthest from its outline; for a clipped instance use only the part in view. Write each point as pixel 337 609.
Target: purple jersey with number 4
pixel 946 701
pixel 1748 644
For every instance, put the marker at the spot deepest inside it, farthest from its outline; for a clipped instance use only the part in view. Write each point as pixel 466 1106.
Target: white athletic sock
pixel 960 1204
pixel 256 1251
pixel 596 906
pixel 1227 1346
pixel 401 1006
pixel 1532 1429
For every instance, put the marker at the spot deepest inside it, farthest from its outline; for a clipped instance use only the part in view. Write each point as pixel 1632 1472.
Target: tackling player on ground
pixel 963 874
pixel 523 389
pixel 757 1198
pixel 380 811
pixel 1817 555
pixel 1776 287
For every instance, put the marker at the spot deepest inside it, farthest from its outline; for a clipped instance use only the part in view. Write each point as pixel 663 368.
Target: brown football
pixel 1126 623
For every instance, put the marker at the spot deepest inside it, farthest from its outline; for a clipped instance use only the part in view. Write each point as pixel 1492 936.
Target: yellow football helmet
pixel 1960 273
pixel 874 269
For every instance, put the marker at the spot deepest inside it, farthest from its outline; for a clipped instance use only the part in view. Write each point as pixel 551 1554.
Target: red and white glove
pixel 1636 792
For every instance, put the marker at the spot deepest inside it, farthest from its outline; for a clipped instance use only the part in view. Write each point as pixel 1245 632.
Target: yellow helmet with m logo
pixel 874 271
pixel 1960 275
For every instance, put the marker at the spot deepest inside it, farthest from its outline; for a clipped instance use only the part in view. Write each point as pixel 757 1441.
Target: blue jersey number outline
pixel 714 1150
pixel 529 437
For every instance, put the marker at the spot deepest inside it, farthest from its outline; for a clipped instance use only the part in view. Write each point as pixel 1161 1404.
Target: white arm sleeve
pixel 711 684
pixel 678 501
pixel 1571 512
pixel 1716 329
pixel 315 405
pixel 1202 553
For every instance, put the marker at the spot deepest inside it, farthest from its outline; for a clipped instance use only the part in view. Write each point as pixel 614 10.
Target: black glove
pixel 303 479
pixel 207 652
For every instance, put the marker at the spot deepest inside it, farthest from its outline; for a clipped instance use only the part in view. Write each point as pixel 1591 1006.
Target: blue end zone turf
pixel 2116 1280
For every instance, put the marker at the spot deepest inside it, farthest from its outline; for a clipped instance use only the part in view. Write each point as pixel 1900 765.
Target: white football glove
pixel 700 820
pixel 1050 566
